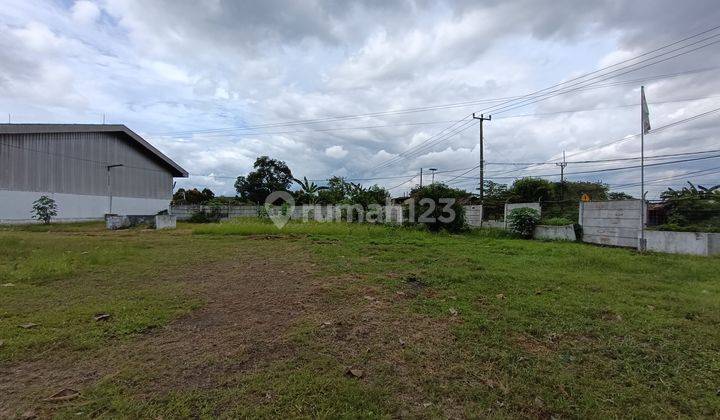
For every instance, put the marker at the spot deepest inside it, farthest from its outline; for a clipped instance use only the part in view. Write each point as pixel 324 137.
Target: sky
pixel 364 90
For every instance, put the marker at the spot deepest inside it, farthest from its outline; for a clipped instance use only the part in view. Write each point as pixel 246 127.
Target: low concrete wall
pixel 556 233
pixel 165 221
pixel 160 221
pixel 496 224
pixel 693 243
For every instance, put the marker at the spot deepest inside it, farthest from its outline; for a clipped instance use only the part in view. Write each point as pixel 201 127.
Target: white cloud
pixel 336 152
pixel 220 77
pixel 85 12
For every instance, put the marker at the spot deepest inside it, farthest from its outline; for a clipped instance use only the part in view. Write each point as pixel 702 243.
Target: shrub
pixel 429 204
pixel 44 209
pixel 523 221
pixel 557 221
pixel 212 216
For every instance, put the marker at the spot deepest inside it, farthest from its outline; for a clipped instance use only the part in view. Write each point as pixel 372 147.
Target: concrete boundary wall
pixel 693 243
pixel 615 223
pixel 555 233
pixel 392 214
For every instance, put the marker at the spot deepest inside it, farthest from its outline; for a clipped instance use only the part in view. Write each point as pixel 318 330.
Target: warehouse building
pixel 88 169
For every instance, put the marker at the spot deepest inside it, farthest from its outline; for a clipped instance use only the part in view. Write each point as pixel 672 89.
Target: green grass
pixel 628 334
pixel 252 226
pixel 542 328
pixel 59 279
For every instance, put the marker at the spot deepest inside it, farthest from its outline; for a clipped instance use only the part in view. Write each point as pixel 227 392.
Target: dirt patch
pixel 533 346
pixel 251 303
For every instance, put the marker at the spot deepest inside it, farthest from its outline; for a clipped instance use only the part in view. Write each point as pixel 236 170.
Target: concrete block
pixel 556 233
pixel 115 222
pixel 165 221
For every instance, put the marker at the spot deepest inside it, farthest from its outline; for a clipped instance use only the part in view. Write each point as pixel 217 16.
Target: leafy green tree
pixel 367 196
pixel 527 190
pixel 193 196
pixel 269 175
pixel 337 191
pixel 308 192
pixel 615 196
pixel 693 205
pixel 44 209
pixel 429 201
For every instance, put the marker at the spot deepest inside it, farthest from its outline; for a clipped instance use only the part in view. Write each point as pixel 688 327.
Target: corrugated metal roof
pixel 175 169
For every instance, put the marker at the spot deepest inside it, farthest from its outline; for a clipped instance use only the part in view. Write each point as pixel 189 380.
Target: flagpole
pixel 642 169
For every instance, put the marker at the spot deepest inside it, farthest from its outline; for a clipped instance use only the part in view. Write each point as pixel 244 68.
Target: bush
pixel 674 227
pixel 429 204
pixel 44 209
pixel 557 221
pixel 523 221
pixel 213 216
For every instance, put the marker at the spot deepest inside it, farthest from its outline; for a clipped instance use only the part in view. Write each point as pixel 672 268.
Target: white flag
pixel 645 112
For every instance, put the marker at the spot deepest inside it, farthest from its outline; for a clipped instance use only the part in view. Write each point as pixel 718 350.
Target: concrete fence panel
pixel 615 223
pixel 473 216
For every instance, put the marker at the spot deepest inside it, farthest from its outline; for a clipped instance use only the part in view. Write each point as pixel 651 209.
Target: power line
pixel 246 131
pixel 624 139
pixel 533 97
pixel 710 171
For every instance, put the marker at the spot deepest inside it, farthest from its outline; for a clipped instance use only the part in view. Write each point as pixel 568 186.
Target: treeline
pixel 269 175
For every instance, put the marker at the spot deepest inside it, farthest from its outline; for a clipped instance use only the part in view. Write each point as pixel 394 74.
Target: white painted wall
pixel 15 206
pixel 694 243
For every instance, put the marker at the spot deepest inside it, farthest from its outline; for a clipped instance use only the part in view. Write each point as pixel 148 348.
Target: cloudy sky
pixel 365 89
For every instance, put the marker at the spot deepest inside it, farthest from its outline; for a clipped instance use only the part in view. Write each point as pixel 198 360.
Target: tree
pixel 429 201
pixel 526 190
pixel 270 175
pixel 615 196
pixel 308 193
pixel 193 196
pixel 367 196
pixel 337 191
pixel 44 209
pixel 495 192
pixel 693 205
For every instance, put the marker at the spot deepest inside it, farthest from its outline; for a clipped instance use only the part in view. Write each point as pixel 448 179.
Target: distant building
pixel 88 169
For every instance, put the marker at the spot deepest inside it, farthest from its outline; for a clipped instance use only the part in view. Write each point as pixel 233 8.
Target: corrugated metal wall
pixel 76 163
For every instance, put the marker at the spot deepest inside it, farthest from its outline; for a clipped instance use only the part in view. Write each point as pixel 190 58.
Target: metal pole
pixel 109 191
pixel 420 177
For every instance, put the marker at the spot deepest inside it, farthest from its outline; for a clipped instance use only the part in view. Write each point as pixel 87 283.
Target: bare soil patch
pixel 250 304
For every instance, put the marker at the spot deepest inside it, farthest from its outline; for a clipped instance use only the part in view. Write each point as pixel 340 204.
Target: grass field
pixel 327 320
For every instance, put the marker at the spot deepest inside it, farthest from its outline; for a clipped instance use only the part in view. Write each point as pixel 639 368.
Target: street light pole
pixel 432 170
pixel 109 188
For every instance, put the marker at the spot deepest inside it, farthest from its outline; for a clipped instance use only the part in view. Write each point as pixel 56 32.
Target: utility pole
pixel 562 166
pixel 433 174
pixel 482 159
pixel 420 177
